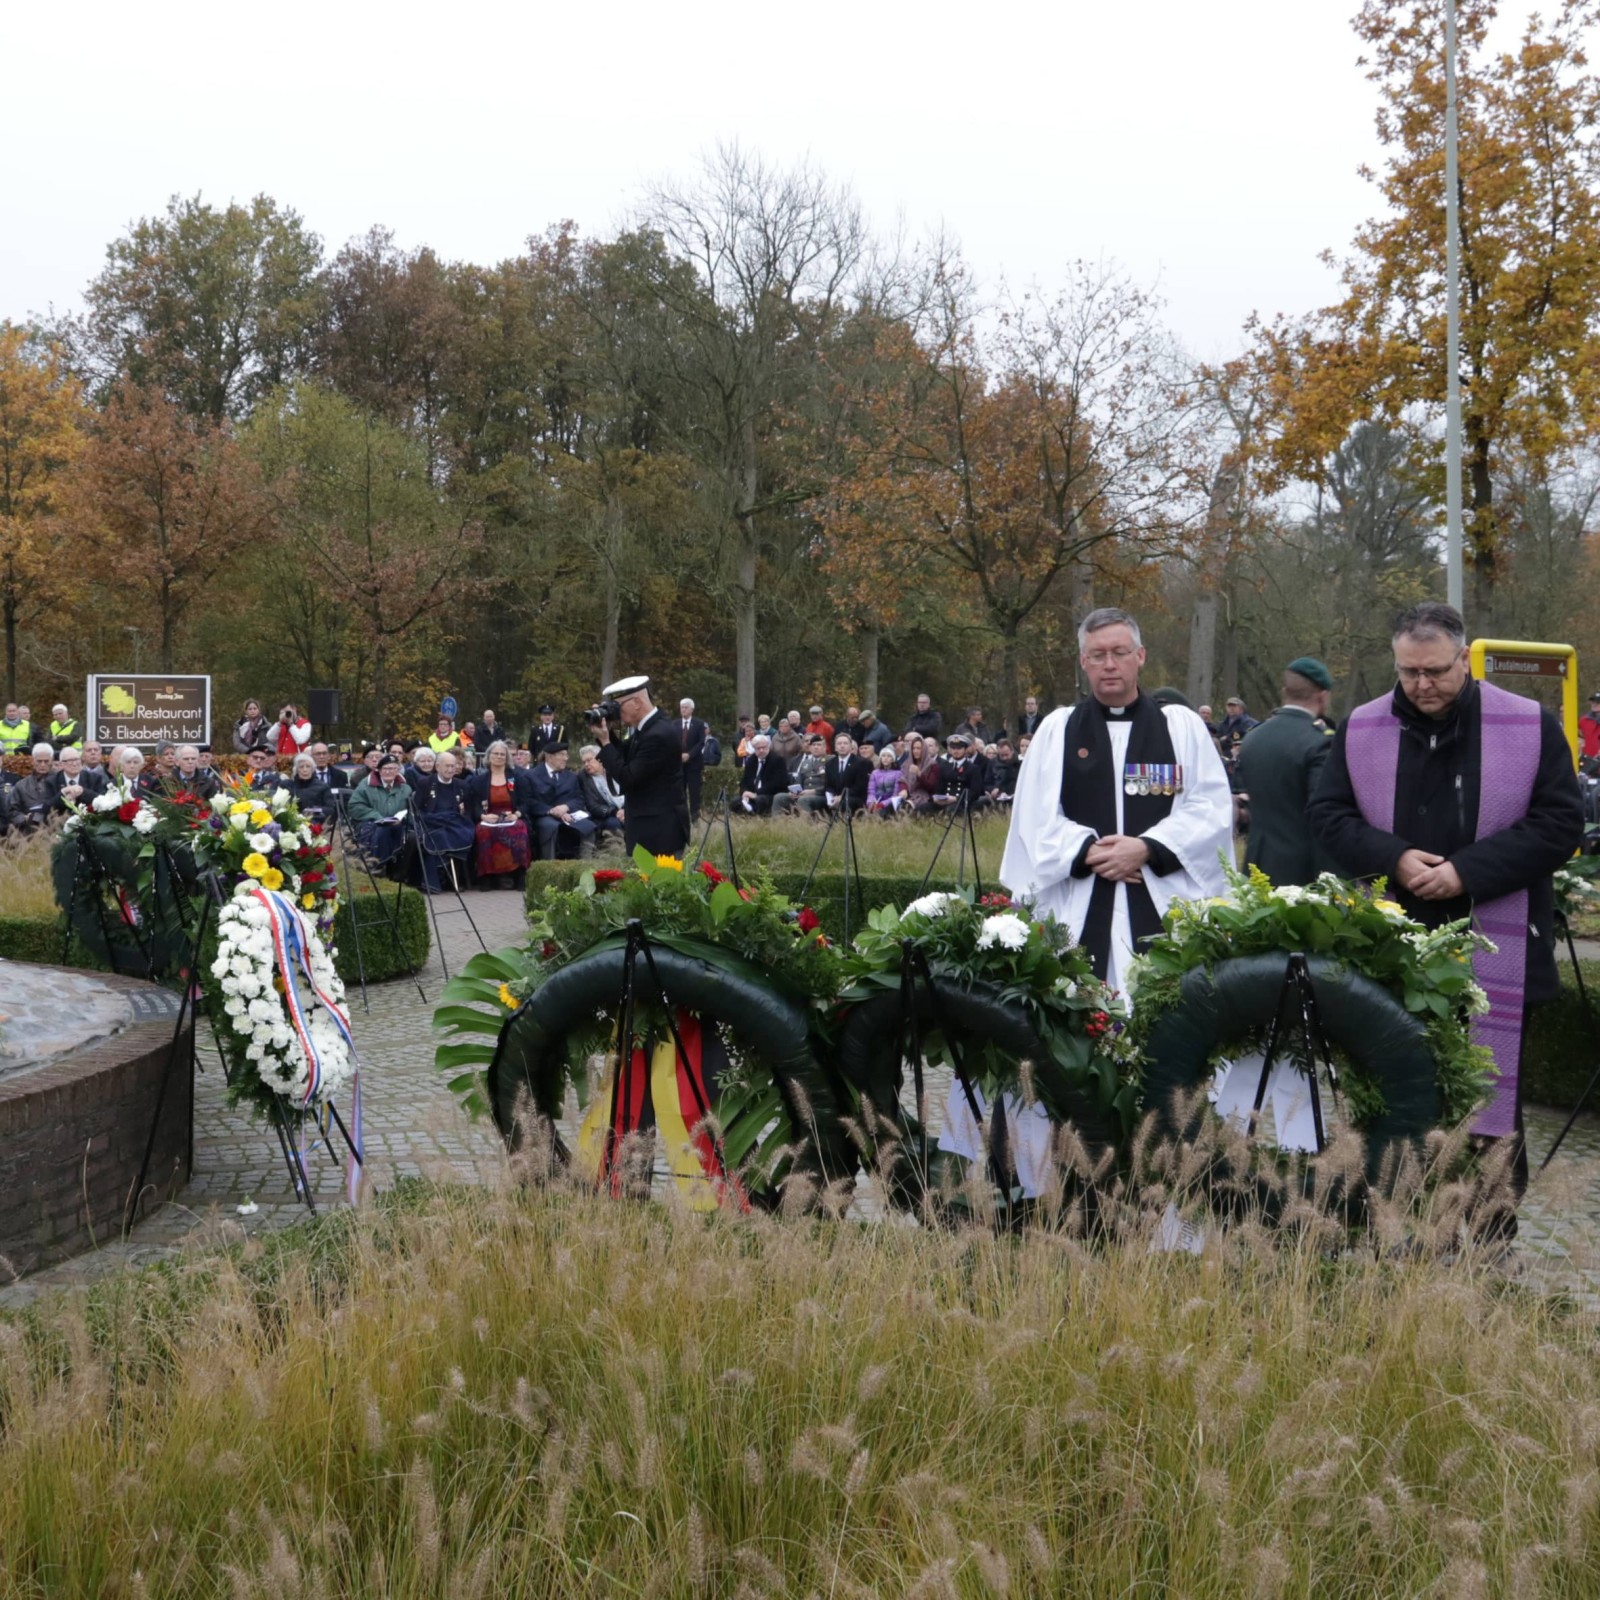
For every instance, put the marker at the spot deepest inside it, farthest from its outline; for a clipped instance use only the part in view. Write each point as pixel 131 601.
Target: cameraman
pixel 647 767
pixel 292 734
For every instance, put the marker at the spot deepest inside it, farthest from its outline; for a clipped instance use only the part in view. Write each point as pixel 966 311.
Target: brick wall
pixel 72 1135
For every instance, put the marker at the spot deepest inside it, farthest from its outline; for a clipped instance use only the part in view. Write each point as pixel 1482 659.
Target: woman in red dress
pixel 500 797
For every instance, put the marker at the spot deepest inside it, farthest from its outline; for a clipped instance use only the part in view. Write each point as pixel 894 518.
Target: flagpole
pixel 1454 584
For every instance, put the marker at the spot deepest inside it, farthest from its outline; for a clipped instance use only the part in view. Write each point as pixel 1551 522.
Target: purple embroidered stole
pixel 1509 760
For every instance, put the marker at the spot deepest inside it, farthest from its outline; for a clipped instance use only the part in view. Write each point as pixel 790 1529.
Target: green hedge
pixel 381 956
pixel 826 897
pixel 38 939
pixel 1562 1048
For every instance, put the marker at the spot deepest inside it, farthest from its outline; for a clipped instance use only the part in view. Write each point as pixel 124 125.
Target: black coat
pixel 1028 722
pixel 310 794
pixel 929 723
pixel 694 742
pixel 851 781
pixel 648 768
pixel 1436 809
pixel 539 736
pixel 769 777
pixel 521 782
pixel 1280 763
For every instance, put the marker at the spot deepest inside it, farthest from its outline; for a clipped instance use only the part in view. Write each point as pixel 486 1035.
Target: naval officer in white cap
pixel 648 767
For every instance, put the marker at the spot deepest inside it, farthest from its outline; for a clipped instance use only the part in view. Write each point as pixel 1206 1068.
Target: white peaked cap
pixel 625 686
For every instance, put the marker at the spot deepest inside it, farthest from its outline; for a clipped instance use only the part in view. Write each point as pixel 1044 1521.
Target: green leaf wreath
pixel 1430 972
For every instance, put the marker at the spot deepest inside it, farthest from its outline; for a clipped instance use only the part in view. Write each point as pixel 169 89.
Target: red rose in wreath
pixel 809 921
pixel 606 878
pixel 127 811
pixel 712 873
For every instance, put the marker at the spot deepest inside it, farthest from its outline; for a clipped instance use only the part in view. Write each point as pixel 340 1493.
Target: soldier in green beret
pixel 1279 763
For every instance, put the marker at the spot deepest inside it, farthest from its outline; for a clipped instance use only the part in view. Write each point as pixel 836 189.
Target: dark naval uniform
pixel 1280 761
pixel 648 767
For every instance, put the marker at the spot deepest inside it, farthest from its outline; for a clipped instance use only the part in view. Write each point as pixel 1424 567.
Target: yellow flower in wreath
pixel 272 879
pixel 256 864
pixel 1390 905
pixel 308 901
pixel 241 808
pixel 259 819
pixel 670 861
pixel 507 999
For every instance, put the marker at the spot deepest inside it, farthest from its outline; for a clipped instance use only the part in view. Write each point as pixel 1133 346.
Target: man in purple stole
pixel 1464 797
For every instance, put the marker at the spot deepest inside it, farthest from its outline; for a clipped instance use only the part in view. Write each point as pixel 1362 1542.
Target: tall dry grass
pixel 538 1392
pixel 898 847
pixel 25 889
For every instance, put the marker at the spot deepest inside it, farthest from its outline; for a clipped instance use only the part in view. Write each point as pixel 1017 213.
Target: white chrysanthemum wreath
pixel 246 969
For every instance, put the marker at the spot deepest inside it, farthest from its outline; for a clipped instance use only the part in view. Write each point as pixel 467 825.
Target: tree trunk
pixel 744 588
pixel 380 687
pixel 166 640
pixel 613 592
pixel 871 642
pixel 1202 650
pixel 1010 676
pixel 1230 650
pixel 11 647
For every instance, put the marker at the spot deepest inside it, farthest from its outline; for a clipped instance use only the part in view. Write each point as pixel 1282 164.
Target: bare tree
pixel 773 254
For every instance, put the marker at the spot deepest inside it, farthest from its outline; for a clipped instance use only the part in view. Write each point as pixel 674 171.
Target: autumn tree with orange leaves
pixel 1530 264
pixel 1014 461
pixel 42 418
pixel 163 501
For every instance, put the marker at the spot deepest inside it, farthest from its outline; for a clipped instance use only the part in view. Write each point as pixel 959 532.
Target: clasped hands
pixel 1118 857
pixel 1428 877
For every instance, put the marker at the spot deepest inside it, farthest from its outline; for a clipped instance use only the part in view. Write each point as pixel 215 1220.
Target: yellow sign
pixel 1517 658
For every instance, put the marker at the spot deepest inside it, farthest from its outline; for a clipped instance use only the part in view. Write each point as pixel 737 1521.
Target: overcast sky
pixel 1214 147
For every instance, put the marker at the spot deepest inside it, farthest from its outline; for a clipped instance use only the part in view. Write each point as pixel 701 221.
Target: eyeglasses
pixel 1428 674
pixel 1101 658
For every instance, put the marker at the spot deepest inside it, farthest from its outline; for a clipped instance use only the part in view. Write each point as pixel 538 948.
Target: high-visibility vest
pixel 439 746
pixel 63 732
pixel 13 736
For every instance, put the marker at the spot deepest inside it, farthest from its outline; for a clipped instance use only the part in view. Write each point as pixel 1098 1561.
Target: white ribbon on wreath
pixel 248 970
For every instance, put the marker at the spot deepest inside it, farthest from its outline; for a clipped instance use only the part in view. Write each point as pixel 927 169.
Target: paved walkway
pixel 414 1127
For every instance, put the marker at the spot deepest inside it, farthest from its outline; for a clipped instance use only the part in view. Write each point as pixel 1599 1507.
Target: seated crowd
pixel 473 804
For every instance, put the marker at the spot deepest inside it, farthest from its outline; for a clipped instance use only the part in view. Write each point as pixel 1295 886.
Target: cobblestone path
pixel 413 1127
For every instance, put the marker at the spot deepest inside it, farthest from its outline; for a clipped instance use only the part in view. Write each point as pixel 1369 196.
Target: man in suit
pixel 1280 761
pixel 847 775
pixel 692 735
pixel 334 777
pixel 1028 722
pixel 765 777
pixel 556 810
pixel 546 731
pixel 648 768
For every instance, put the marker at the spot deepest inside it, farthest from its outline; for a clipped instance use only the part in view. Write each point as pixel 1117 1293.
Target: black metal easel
pixel 447 869
pixel 1297 1002
pixel 722 814
pixel 851 865
pixel 914 970
pixel 211 898
pixel 969 833
pixel 1588 1006
pixel 350 850
pixel 638 943
pixel 90 879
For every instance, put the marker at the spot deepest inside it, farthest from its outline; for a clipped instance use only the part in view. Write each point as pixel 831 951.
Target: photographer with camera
pixel 293 732
pixel 647 766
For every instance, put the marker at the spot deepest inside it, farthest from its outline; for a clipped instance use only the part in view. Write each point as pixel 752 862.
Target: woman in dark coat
pixel 501 794
pixel 309 789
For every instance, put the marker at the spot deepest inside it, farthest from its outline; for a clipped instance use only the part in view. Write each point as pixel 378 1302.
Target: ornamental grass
pixel 532 1391
pixel 25 887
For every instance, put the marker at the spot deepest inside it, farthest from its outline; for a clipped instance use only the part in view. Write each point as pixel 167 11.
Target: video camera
pixel 603 711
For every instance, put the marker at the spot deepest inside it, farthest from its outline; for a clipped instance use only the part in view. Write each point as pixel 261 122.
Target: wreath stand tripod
pixel 969 833
pixel 914 970
pixel 722 813
pixel 1297 1004
pixel 1588 1009
pixel 851 864
pixel 92 880
pixel 619 1124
